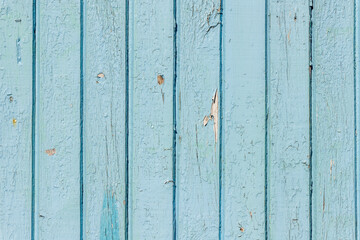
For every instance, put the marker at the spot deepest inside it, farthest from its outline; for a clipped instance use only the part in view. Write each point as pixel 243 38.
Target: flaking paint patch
pixel 101 75
pixel 50 152
pixel 160 79
pixel 214 114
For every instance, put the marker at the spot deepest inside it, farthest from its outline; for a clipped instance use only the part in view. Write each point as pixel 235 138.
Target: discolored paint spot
pixel 160 79
pixel 50 152
pixel 109 222
pixel 18 51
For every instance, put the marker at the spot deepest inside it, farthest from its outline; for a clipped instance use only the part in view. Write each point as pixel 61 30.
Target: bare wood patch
pixel 50 152
pixel 160 79
pixel 214 114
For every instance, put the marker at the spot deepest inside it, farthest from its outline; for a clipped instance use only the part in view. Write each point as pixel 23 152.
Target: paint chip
pixel 214 114
pixel 14 121
pixel 101 75
pixel 11 99
pixel 206 120
pixel 160 79
pixel 50 152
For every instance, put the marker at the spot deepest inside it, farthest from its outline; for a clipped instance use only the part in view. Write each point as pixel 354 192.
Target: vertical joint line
pixel 126 119
pixel 221 116
pixel 310 118
pixel 174 118
pixel 33 121
pixel 355 122
pixel 81 119
pixel 266 122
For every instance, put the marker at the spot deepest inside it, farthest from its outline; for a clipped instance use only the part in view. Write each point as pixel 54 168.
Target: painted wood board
pixel 357 112
pixel 58 120
pixel 333 120
pixel 104 120
pixel 15 119
pixel 197 95
pixel 288 122
pixel 151 119
pixel 244 120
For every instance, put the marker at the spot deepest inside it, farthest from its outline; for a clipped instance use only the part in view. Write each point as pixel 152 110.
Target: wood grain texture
pixel 15 118
pixel 58 120
pixel 288 123
pixel 333 120
pixel 151 119
pixel 197 148
pixel 104 120
pixel 244 120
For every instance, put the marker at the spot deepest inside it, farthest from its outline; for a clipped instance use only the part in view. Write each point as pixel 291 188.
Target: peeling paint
pixel 160 79
pixel 50 152
pixel 214 114
pixel 101 75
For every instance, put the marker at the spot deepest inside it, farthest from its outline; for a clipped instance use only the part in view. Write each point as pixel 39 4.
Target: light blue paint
pixel 109 223
pixel 244 120
pixel 15 119
pixel 104 113
pixel 288 126
pixel 151 119
pixel 58 120
pixel 197 149
pixel 112 52
pixel 333 120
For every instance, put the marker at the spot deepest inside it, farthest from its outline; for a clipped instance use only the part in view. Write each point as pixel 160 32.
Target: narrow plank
pixel 244 120
pixel 288 123
pixel 357 112
pixel 104 120
pixel 15 119
pixel 333 120
pixel 151 119
pixel 58 119
pixel 198 145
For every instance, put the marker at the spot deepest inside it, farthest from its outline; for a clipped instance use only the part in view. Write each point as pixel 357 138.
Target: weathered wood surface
pixel 58 120
pixel 104 120
pixel 151 119
pixel 219 94
pixel 333 120
pixel 288 120
pixel 244 120
pixel 15 118
pixel 198 145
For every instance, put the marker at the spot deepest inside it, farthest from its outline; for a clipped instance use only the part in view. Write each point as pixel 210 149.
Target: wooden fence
pixel 179 119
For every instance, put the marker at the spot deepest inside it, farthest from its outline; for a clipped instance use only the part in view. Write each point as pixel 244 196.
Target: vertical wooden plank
pixel 58 41
pixel 198 97
pixel 151 119
pixel 333 120
pixel 288 123
pixel 244 120
pixel 104 120
pixel 357 111
pixel 15 118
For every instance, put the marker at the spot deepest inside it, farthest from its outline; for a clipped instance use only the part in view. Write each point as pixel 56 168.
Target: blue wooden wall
pixel 179 119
